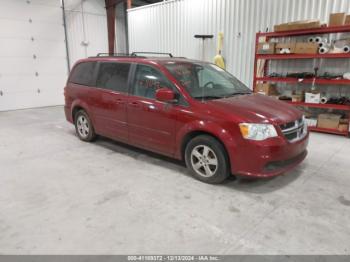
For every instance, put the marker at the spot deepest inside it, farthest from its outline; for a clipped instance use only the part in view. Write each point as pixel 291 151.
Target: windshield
pixel 206 81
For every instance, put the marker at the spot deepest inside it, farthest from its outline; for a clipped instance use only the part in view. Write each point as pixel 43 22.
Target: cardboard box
pixel 285 48
pixel 266 48
pixel 312 98
pixel 297 25
pixel 343 127
pixel 297 98
pixel 337 19
pixel 306 48
pixel 330 121
pixel 311 122
pixel 347 20
pixel 344 121
pixel 262 39
pixel 266 89
pixel 281 27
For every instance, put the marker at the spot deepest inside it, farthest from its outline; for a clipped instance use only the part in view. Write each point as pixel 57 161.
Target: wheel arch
pixel 75 110
pixel 79 105
pixel 195 133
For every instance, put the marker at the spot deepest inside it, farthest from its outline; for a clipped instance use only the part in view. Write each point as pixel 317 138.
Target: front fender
pixel 221 132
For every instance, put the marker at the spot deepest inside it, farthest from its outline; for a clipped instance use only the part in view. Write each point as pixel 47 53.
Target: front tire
pixel 84 127
pixel 207 159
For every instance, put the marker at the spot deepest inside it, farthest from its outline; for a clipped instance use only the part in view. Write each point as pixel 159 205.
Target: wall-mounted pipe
pixel 65 35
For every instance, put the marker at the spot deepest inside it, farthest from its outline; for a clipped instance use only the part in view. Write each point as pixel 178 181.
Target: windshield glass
pixel 206 81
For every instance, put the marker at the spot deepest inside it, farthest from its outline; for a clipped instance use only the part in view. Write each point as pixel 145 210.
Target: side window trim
pixel 131 78
pixel 95 74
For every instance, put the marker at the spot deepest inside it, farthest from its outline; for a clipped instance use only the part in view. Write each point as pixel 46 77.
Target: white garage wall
pixel 170 26
pixel 33 64
pixel 33 58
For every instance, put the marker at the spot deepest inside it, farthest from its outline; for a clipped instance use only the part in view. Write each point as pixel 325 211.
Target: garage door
pixel 33 66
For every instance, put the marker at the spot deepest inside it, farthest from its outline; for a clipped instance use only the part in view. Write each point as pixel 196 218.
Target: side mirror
pixel 165 94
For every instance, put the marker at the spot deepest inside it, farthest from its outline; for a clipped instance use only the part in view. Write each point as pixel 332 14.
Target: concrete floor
pixel 62 196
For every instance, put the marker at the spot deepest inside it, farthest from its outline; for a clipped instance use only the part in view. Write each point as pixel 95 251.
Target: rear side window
pixel 113 76
pixel 83 74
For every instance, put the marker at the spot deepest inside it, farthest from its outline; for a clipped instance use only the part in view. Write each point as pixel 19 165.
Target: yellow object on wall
pixel 218 59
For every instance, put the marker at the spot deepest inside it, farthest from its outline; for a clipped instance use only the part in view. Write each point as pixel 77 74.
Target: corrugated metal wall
pixel 170 26
pixel 87 28
pixel 121 32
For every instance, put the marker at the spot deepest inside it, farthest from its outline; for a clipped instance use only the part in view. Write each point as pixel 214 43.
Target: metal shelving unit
pixel 320 81
pixel 330 131
pixel 327 106
pixel 300 56
pixel 291 80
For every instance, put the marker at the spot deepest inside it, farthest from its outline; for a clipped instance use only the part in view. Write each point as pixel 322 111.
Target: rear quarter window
pixel 83 74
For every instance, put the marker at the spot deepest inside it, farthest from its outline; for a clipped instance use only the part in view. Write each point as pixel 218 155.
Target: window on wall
pixel 148 80
pixel 83 74
pixel 113 76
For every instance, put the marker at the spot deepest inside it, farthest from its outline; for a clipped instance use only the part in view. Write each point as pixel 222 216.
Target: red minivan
pixel 185 109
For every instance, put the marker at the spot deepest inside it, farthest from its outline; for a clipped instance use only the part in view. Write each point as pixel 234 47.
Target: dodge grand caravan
pixel 185 109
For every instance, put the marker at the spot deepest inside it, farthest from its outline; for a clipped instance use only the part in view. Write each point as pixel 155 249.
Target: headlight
pixel 257 131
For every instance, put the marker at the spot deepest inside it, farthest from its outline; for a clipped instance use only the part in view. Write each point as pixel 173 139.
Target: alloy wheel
pixel 204 161
pixel 83 126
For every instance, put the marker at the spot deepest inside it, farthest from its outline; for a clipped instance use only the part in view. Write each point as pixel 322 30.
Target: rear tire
pixel 84 127
pixel 207 159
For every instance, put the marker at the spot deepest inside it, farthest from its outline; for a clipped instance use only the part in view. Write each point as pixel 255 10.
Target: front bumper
pixel 268 158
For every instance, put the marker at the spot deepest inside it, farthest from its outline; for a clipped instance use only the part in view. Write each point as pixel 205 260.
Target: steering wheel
pixel 209 83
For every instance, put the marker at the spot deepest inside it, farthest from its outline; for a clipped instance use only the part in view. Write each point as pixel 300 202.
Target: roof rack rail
pixel 151 53
pixel 114 54
pixel 133 54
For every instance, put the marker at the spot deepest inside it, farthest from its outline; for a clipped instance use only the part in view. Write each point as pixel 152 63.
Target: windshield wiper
pixel 208 97
pixel 238 93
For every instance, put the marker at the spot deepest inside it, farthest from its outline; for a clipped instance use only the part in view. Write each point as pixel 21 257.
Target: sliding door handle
pixel 135 104
pixel 120 101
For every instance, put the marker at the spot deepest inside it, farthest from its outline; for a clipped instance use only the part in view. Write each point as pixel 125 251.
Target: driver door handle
pixel 152 108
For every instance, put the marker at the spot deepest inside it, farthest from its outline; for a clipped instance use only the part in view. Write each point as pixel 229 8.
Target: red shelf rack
pixel 327 106
pixel 291 80
pixel 317 31
pixel 327 130
pixel 300 56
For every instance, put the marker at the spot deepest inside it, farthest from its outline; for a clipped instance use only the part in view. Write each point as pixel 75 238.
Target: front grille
pixel 291 136
pixel 287 125
pixel 295 130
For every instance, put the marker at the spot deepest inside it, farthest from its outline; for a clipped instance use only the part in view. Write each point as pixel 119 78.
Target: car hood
pixel 256 108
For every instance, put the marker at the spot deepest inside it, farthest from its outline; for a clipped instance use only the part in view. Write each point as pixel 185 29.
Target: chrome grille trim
pixel 297 129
